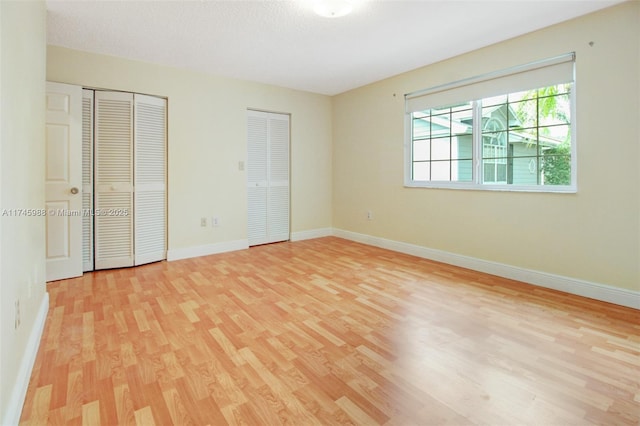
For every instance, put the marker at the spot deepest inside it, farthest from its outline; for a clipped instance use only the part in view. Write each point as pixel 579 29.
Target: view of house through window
pixel 521 139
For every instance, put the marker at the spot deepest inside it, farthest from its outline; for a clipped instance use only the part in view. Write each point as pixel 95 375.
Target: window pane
pixel 493 151
pixel 421 171
pixel 440 170
pixel 494 171
pixel 525 171
pixel 523 145
pixel 494 137
pixel 441 149
pixel 440 125
pixel 421 128
pixel 462 122
pixel 524 149
pixel 462 171
pixel 489 173
pixel 501 172
pixel 554 135
pixel 523 114
pixel 554 110
pixel 463 147
pixel 492 120
pixel 556 169
pixel 421 150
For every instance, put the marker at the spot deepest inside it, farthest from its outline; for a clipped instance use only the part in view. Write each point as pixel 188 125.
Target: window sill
pixel 560 189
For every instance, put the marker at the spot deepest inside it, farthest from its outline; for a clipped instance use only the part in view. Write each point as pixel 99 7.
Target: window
pixel 510 130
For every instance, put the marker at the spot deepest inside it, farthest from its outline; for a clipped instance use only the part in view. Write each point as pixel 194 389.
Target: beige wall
pixel 593 235
pixel 207 139
pixel 22 243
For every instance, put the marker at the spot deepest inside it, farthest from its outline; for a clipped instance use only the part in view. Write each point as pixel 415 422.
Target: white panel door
pixel 150 140
pixel 87 180
pixel 63 179
pixel 267 177
pixel 113 180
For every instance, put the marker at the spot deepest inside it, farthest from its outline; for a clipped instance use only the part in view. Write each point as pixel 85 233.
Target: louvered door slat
pixel 114 244
pixel 278 213
pixel 278 196
pixel 257 178
pixel 113 179
pixel 257 215
pixel 279 149
pixel 150 179
pixel 87 180
pixel 257 148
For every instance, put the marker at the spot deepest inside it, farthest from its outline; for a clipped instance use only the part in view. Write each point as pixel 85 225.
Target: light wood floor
pixel 329 331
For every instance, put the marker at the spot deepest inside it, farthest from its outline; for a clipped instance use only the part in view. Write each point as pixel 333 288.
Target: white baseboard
pixel 603 292
pixel 205 250
pixel 19 391
pixel 310 234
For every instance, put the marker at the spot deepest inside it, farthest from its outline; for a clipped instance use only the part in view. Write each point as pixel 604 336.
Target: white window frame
pixel 524 77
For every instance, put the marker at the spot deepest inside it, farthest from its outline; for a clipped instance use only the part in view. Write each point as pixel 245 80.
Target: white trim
pixel 602 292
pixel 310 234
pixel 542 73
pixel 560 189
pixel 19 392
pixel 205 250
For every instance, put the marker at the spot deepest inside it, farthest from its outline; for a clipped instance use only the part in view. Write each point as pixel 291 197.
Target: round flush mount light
pixel 332 8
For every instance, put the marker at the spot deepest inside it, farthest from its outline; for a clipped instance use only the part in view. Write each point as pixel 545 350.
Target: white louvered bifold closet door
pixel 113 180
pixel 150 219
pixel 87 180
pixel 278 165
pixel 267 177
pixel 257 178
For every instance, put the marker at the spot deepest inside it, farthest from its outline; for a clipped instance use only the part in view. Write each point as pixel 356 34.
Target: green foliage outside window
pixel 552 105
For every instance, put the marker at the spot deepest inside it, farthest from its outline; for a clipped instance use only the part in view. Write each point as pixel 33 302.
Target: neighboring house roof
pixel 462 125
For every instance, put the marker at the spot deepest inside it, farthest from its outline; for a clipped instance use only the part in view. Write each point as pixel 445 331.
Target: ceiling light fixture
pixel 332 8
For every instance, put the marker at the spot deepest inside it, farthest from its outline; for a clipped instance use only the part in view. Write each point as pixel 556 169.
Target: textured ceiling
pixel 284 43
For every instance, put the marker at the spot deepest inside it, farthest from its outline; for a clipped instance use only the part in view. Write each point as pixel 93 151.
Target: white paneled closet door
pixel 63 178
pixel 150 219
pixel 267 177
pixel 113 162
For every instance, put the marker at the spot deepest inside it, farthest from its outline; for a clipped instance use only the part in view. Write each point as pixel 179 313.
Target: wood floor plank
pixel 144 417
pixel 91 413
pixel 328 331
pixel 353 411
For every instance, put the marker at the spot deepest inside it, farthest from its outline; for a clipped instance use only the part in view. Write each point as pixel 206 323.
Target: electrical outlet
pixel 203 222
pixel 17 318
pixel 369 215
pixel 215 221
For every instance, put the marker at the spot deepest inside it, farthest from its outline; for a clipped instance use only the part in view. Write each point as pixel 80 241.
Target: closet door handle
pixel 74 190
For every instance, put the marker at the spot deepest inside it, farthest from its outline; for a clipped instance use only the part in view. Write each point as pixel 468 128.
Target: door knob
pixel 74 190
